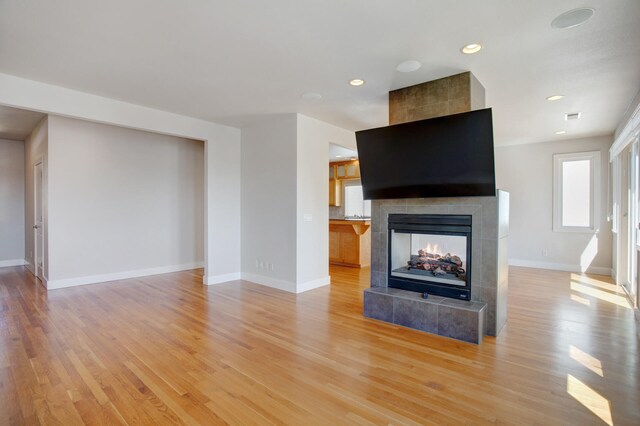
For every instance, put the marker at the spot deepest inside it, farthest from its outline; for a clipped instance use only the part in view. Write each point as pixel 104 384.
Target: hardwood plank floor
pixel 167 350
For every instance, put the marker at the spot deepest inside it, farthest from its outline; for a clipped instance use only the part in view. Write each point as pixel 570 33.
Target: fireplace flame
pixel 433 249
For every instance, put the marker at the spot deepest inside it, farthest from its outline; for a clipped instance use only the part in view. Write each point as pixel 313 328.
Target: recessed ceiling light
pixel 338 156
pixel 311 96
pixel 471 48
pixel 356 82
pixel 555 97
pixel 573 18
pixel 408 66
pixel 561 132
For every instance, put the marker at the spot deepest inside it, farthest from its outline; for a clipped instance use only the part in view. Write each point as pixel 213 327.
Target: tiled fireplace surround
pixel 486 313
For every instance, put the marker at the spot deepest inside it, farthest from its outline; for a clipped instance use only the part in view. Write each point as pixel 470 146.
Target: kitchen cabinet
pixel 335 192
pixel 339 171
pixel 344 170
pixel 350 243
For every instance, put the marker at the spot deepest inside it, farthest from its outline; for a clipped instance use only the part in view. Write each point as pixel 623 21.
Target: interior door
pixel 38 220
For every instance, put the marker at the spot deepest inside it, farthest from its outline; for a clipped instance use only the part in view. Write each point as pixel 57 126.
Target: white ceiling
pixel 233 61
pixel 16 124
pixel 340 153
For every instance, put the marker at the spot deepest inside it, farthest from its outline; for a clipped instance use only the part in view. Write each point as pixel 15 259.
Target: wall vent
pixel 572 116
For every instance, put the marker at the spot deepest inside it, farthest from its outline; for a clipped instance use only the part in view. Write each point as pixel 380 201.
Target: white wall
pixel 526 172
pixel 269 202
pixel 36 148
pixel 285 175
pixel 11 202
pixel 122 201
pixel 222 156
pixel 312 237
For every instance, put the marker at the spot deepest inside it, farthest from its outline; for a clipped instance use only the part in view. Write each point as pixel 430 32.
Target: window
pixel 576 192
pixel 354 202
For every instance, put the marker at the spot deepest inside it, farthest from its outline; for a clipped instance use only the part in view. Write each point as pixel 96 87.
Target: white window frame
pixel 594 214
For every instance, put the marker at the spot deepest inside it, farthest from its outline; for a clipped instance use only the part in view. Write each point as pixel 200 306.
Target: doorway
pixel 38 218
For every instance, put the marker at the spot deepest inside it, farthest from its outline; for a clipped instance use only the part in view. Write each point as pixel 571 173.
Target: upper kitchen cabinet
pixel 344 170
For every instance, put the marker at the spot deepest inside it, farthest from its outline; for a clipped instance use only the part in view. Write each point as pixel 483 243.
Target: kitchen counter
pixel 350 242
pixel 350 221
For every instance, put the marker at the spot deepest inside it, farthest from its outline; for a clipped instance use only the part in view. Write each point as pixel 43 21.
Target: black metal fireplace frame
pixel 438 224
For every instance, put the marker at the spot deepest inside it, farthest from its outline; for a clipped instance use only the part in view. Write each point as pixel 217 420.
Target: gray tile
pixel 378 279
pixel 489 277
pixel 489 227
pixel 376 217
pixel 486 295
pixel 392 202
pixel 476 261
pixel 378 306
pixel 467 305
pixel 427 209
pixel 415 314
pixel 427 201
pixel 461 324
pixel 377 257
pixel 502 307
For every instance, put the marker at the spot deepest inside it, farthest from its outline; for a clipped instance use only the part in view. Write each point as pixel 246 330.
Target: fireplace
pixel 430 254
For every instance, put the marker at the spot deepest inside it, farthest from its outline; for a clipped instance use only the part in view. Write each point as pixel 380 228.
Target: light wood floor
pixel 166 349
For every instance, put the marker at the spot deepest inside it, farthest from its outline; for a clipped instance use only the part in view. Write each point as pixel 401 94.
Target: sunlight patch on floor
pixel 586 360
pixel 591 399
pixel 599 294
pixel 583 279
pixel 582 300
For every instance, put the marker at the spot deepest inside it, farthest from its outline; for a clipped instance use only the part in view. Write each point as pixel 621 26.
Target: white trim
pixel 270 282
pixel 628 133
pixel 13 262
pixel 598 270
pixel 94 279
pixel 219 279
pixel 594 215
pixel 310 285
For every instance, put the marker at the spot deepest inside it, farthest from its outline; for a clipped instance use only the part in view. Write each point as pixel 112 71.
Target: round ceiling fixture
pixel 471 48
pixel 311 96
pixel 409 66
pixel 356 82
pixel 573 18
pixel 561 132
pixel 555 97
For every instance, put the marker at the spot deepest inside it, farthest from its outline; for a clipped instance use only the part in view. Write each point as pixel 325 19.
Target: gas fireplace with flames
pixel 430 254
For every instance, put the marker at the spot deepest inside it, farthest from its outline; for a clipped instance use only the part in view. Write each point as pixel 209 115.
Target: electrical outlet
pixel 271 266
pixel 545 252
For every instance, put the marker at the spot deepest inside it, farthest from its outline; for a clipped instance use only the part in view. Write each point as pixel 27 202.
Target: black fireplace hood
pixel 450 156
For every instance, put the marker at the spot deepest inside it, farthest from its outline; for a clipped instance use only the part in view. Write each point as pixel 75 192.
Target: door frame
pixel 38 252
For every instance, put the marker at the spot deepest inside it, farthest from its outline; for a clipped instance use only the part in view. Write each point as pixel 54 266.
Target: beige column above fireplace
pixel 445 96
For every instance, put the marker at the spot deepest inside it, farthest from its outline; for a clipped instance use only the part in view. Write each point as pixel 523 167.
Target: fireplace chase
pixel 430 254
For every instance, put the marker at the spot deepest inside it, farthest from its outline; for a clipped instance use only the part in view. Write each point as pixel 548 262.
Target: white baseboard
pixel 310 285
pixel 93 279
pixel 288 286
pixel 30 267
pixel 560 267
pixel 219 279
pixel 270 282
pixel 13 262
